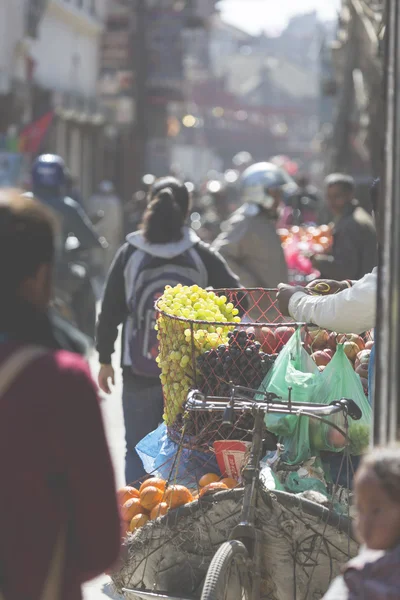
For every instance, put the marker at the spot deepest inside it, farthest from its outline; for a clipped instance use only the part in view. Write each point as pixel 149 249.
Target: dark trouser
pixel 143 410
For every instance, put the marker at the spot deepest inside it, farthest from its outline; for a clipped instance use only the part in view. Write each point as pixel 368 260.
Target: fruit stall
pixel 175 520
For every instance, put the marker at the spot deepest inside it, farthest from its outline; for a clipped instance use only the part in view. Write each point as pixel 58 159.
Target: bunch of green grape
pixel 180 342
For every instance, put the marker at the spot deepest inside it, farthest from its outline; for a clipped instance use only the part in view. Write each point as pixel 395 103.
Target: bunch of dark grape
pixel 241 362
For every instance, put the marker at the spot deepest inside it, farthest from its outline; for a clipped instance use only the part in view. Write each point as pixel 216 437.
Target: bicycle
pixel 235 570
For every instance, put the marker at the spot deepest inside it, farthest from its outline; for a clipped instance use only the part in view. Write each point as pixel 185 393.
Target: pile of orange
pixel 154 499
pixel 210 483
pixel 151 501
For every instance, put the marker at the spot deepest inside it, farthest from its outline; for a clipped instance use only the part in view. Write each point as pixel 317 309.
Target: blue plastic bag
pixel 164 458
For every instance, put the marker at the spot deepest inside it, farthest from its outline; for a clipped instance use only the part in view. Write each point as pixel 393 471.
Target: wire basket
pixel 208 355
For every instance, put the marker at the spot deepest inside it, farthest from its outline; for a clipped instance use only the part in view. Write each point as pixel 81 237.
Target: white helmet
pixel 261 177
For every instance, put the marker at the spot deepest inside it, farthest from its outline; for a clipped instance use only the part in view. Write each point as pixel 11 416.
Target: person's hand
pixel 326 287
pixel 106 375
pixel 285 292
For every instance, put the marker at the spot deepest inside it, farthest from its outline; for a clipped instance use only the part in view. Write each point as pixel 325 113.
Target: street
pixel 101 588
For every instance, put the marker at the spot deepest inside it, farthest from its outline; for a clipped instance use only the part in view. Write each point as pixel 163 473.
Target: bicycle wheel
pixel 228 576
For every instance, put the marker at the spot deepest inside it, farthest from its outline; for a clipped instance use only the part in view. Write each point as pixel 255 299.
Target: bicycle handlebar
pixel 198 402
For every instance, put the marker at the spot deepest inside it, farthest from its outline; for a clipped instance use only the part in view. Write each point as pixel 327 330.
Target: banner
pixel 32 136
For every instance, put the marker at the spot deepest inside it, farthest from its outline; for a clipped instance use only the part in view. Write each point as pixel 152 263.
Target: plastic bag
pixel 295 369
pixel 163 458
pixel 337 381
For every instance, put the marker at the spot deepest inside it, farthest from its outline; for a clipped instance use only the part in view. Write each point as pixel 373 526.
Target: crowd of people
pixel 54 458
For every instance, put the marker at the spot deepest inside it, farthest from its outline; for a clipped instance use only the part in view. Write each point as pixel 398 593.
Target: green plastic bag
pixel 337 381
pixel 294 369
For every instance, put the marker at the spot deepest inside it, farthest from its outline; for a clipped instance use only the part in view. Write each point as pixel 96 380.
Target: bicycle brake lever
pixel 229 416
pixel 353 410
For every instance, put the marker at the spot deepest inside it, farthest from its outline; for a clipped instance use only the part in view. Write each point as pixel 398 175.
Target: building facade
pixel 66 57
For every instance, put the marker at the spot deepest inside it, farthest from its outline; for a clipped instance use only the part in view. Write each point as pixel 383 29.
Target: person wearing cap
pixel 354 248
pixel 105 208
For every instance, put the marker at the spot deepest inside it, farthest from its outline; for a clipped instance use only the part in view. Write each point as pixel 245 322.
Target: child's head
pixel 377 492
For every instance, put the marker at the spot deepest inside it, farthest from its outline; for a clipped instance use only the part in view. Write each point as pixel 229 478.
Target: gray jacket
pixel 252 248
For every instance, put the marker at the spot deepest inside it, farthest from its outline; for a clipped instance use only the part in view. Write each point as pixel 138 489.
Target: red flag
pixel 31 137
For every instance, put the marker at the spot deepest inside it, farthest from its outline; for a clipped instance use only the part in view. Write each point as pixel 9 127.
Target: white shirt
pixel 353 310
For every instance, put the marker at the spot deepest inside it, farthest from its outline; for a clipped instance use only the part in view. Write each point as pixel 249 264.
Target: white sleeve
pixel 350 311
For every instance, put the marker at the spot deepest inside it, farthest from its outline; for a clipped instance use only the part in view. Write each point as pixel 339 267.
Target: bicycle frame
pixel 246 531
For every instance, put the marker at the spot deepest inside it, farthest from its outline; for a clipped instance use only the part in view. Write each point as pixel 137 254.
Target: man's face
pixel 337 197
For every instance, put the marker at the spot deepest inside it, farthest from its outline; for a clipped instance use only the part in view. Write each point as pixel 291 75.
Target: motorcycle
pixel 75 297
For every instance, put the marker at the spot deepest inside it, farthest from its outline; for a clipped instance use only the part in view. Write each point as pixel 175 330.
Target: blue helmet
pixel 48 170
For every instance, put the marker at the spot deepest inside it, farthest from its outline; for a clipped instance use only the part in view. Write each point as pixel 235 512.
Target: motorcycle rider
pixel 49 181
pixel 249 241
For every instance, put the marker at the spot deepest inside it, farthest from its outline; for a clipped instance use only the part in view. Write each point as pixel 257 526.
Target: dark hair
pixel 167 209
pixel 385 463
pixel 26 239
pixel 345 181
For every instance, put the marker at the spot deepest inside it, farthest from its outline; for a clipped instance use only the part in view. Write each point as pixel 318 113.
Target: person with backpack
pixel 164 252
pixel 59 518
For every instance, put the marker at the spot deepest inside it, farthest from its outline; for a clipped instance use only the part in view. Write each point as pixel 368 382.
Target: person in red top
pixel 55 466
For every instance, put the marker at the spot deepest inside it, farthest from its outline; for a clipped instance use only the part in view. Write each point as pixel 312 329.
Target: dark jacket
pixel 53 456
pixel 354 250
pixel 114 309
pixel 73 219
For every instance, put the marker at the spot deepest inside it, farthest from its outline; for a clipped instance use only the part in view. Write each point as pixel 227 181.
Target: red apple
pixel 369 345
pixel 364 382
pixel 352 337
pixel 321 358
pixel 267 339
pixel 319 338
pixel 335 438
pixel 362 358
pixel 351 350
pixel 283 335
pixel 332 341
pixel 329 352
pixel 362 371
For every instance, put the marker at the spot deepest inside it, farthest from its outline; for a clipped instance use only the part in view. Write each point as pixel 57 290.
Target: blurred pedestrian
pixel 105 210
pixel 164 252
pixel 249 241
pixel 354 249
pixel 57 529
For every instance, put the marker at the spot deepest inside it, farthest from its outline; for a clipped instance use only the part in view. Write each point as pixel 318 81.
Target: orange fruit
pixel 159 510
pixel 126 493
pixel 213 487
pixel 124 529
pixel 208 478
pixel 130 509
pixel 153 482
pixel 177 495
pixel 150 497
pixel 138 521
pixel 230 482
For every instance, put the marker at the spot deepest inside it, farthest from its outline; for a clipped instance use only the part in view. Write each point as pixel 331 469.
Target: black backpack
pixel 148 276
